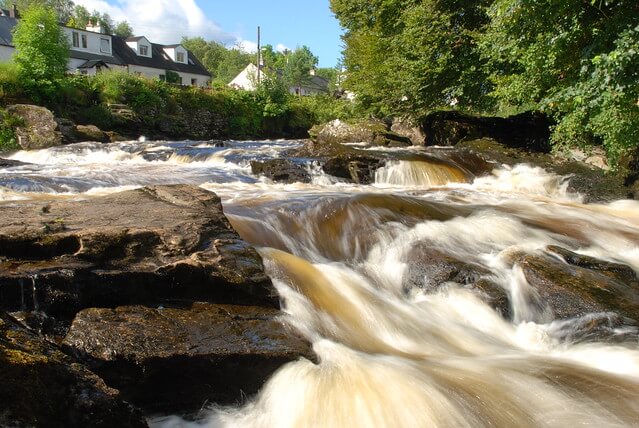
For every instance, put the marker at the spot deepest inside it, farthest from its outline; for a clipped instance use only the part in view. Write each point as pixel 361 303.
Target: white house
pixel 247 80
pixel 92 51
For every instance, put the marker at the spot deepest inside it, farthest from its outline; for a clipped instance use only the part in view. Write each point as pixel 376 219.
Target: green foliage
pixel 173 77
pixel 223 64
pixel 412 56
pixel 123 29
pixel 578 62
pixel 62 8
pixel 42 49
pixel 8 139
pixel 297 69
pixel 10 84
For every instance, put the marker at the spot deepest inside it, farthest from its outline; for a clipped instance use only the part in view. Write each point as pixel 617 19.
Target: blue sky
pixel 284 23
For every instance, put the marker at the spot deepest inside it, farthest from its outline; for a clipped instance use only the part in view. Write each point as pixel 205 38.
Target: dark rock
pixel 528 130
pixel 281 170
pixel 135 247
pixel 42 387
pixel 429 268
pixel 10 163
pixel 571 290
pixel 39 129
pixel 618 271
pixel 359 169
pixel 206 352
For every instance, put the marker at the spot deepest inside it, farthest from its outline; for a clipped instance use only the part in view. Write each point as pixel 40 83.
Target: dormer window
pixel 180 57
pixel 76 39
pixel 144 50
pixel 85 44
pixel 105 45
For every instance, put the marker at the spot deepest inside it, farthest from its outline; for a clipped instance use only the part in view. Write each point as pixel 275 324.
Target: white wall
pixel 93 41
pixel 6 53
pixel 246 79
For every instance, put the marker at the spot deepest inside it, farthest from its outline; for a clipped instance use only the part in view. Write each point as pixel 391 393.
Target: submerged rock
pixel 177 359
pixel 42 387
pixel 281 170
pixel 581 285
pixel 39 129
pixel 136 247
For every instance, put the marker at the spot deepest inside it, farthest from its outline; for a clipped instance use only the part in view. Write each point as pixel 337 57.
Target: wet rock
pixel 430 268
pixel 571 290
pixel 408 128
pixel 618 271
pixel 90 133
pixel 177 359
pixel 40 386
pixel 136 247
pixel 359 169
pixel 528 131
pixel 10 163
pixel 281 170
pixel 39 129
pixel 371 132
pixel 594 184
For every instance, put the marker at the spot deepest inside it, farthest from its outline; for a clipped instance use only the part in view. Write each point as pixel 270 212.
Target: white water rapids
pixel 343 258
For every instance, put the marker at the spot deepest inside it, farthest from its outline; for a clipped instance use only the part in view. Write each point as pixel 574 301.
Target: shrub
pixel 8 124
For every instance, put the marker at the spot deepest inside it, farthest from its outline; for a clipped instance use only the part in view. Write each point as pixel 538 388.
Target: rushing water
pixel 392 354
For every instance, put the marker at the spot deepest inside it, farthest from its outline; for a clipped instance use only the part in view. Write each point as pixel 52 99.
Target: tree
pixel 123 29
pixel 42 49
pixel 62 8
pixel 298 66
pixel 576 60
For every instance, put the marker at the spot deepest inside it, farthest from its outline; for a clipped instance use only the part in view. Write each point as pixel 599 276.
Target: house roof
pixel 114 59
pixel 135 38
pixel 317 82
pixel 93 63
pixel 6 28
pixel 159 58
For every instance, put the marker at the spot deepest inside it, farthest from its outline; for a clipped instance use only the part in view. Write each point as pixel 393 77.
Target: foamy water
pixel 344 257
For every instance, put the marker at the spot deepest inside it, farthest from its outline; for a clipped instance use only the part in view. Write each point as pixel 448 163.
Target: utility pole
pixel 259 56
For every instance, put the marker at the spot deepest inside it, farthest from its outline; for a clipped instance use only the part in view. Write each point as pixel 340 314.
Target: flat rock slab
pixel 177 359
pixel 136 247
pixel 42 387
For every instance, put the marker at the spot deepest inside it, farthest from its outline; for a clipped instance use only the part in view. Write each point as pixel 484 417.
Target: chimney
pixel 94 26
pixel 13 11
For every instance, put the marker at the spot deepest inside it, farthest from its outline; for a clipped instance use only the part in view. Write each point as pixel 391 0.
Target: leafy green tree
pixel 211 54
pixel 298 66
pixel 412 56
pixel 576 60
pixel 234 61
pixel 123 29
pixel 42 49
pixel 63 8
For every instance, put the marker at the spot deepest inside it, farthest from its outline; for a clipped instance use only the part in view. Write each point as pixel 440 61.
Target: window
pixel 144 50
pixel 180 57
pixel 193 82
pixel 76 39
pixel 105 45
pixel 84 41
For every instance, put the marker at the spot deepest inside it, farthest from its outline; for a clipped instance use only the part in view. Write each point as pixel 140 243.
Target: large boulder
pixel 209 353
pixel 281 171
pixel 529 131
pixel 407 127
pixel 137 247
pixel 39 128
pixel 40 386
pixel 370 132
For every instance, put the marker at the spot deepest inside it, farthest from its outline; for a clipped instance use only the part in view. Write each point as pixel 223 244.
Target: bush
pixel 10 84
pixel 8 139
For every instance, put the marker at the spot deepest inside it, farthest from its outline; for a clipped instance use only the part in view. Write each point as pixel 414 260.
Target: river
pixel 396 347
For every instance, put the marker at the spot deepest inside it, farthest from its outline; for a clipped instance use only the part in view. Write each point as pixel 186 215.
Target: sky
pixel 284 23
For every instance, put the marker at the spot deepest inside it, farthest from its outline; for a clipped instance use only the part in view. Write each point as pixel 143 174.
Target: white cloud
pixel 282 47
pixel 163 21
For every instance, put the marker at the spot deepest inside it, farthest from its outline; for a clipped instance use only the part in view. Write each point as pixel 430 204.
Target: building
pixel 92 51
pixel 247 80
